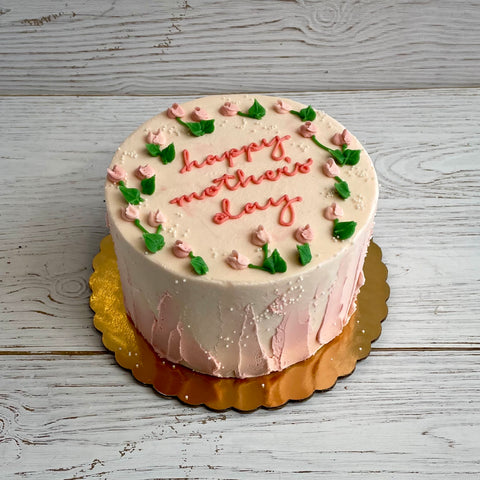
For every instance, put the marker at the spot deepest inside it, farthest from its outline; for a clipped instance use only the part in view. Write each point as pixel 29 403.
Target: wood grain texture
pixel 54 157
pixel 123 47
pixel 410 415
pixel 411 410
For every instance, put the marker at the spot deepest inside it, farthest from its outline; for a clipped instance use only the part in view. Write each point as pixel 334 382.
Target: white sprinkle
pixel 186 397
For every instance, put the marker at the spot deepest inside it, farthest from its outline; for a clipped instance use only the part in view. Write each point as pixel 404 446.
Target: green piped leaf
pixel 198 264
pixel 154 242
pixel 352 157
pixel 148 185
pixel 153 149
pixel 307 114
pixel 198 128
pixel 304 253
pixel 343 230
pixel 131 195
pixel 166 155
pixel 341 157
pixel 271 264
pixel 255 111
pixel 342 188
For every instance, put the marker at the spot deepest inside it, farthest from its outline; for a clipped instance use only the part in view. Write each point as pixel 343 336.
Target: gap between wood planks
pixel 265 92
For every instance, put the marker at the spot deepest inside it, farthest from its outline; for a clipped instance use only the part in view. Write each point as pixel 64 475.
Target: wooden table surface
pixel 76 77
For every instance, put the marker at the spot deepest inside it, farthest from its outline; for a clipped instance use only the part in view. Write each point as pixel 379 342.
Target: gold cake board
pixel 298 382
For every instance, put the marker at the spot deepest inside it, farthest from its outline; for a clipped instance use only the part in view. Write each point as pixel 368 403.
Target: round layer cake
pixel 240 224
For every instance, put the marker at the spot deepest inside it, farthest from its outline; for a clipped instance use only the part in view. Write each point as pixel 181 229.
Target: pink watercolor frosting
pixel 228 109
pixel 144 171
pixel 156 218
pixel 237 261
pixel 175 111
pixel 260 236
pixel 304 234
pixel 130 213
pixel 333 211
pixel 158 138
pixel 330 168
pixel 181 249
pixel 307 129
pixel 282 107
pixel 342 138
pixel 116 174
pixel 199 114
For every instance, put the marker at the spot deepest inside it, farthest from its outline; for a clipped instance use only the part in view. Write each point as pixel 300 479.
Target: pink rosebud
pixel 156 218
pixel 199 114
pixel 130 213
pixel 116 174
pixel 304 234
pixel 144 171
pixel 237 261
pixel 175 111
pixel 307 129
pixel 282 107
pixel 330 168
pixel 333 211
pixel 228 109
pixel 342 138
pixel 158 138
pixel 260 236
pixel 181 249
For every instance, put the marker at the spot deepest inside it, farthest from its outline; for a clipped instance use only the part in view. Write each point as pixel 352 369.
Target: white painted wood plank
pixel 54 153
pixel 402 415
pixel 119 46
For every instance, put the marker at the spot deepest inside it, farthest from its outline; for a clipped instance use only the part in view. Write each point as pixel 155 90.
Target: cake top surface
pixel 208 182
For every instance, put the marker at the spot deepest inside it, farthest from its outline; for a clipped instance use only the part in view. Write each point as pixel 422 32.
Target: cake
pixel 240 225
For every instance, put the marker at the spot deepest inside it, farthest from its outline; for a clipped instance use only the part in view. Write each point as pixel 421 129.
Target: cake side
pixel 241 322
